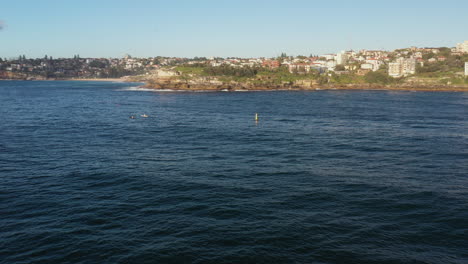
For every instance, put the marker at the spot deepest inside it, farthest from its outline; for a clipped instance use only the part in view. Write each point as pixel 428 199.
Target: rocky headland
pixel 176 82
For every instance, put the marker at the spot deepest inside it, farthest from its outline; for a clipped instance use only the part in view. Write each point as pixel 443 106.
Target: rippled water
pixel 323 177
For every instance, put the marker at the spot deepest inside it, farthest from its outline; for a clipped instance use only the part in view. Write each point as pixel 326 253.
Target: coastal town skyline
pixel 447 62
pixel 213 29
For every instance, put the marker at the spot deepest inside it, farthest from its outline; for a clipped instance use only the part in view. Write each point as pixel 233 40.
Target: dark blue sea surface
pixel 323 177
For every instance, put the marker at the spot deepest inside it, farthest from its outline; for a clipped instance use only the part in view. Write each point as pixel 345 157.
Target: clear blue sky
pixel 244 28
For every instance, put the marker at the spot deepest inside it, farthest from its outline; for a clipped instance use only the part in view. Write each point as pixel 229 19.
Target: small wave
pixel 164 90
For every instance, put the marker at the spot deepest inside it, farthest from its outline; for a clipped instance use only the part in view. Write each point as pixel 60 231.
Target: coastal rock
pixel 211 83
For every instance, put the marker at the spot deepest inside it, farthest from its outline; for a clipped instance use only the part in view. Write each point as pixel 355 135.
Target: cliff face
pixel 176 81
pixel 212 84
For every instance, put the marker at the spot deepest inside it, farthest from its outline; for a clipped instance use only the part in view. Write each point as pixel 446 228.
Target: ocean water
pixel 323 177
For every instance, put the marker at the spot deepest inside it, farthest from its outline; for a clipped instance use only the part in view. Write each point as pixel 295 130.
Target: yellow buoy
pixel 256 117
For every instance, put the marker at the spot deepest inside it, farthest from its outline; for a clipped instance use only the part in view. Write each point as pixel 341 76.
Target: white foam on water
pixel 136 88
pixel 163 90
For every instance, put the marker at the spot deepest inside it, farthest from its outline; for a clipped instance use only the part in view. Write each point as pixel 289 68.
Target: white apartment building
pixel 463 47
pixel 394 69
pixel 375 64
pixel 402 67
pixel 409 66
pixel 341 58
pixel 367 66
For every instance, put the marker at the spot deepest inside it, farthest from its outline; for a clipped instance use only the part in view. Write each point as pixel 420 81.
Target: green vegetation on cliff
pixel 435 73
pixel 255 75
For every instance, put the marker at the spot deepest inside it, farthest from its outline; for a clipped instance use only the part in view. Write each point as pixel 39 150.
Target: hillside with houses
pixel 436 67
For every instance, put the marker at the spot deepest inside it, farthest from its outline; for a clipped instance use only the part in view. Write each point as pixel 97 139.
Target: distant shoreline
pixel 95 79
pixel 74 79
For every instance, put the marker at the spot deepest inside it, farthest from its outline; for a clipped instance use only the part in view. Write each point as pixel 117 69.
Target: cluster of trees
pixel 379 77
pixel 432 67
pixel 98 64
pixel 199 59
pixel 228 70
pixel 451 63
pixel 117 72
pixel 340 68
